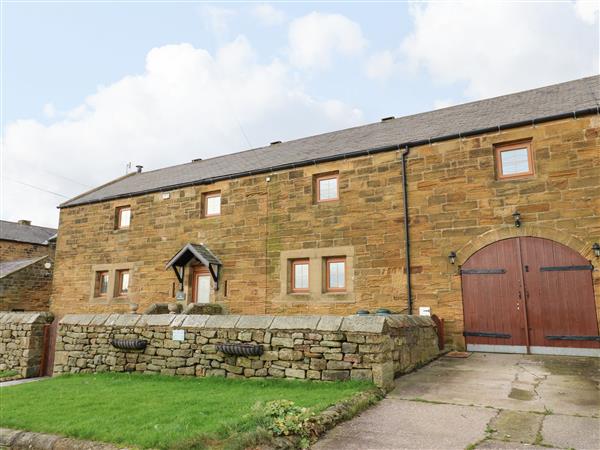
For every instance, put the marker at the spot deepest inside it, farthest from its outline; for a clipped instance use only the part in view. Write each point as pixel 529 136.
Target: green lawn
pixel 155 411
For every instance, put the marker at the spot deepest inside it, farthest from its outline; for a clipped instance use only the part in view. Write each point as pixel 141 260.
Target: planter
pixel 241 349
pixel 129 344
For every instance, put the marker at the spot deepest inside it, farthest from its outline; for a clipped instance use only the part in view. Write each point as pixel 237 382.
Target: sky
pixel 88 87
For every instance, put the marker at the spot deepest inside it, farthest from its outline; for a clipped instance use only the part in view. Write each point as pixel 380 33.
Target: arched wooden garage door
pixel 529 294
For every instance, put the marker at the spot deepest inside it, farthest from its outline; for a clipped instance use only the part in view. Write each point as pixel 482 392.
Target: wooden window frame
pixel 327 176
pixel 119 279
pixel 98 283
pixel 328 261
pixel 119 211
pixel 205 198
pixel 500 148
pixel 293 264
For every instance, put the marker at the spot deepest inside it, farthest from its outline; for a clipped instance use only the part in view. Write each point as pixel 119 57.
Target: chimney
pixel 24 222
pixel 139 168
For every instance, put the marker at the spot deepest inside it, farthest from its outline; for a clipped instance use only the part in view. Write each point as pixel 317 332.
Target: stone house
pixel 26 265
pixel 486 214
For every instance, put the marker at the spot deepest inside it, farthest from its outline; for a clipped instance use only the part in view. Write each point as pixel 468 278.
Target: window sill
pixel 99 300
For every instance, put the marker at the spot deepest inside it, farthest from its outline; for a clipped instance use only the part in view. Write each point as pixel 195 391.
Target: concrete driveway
pixel 485 401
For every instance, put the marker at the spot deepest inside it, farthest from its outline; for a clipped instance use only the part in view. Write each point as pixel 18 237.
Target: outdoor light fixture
pixel 596 248
pixel 517 216
pixel 452 257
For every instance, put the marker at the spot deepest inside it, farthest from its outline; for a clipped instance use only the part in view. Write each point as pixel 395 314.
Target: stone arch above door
pixel 584 248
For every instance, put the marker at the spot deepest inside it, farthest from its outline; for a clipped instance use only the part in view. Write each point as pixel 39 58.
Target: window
pixel 123 217
pixel 101 287
pixel 514 160
pixel 327 187
pixel 212 204
pixel 335 274
pixel 299 275
pixel 122 282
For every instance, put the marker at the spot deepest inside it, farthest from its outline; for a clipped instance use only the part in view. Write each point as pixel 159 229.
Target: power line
pixel 66 178
pixel 36 187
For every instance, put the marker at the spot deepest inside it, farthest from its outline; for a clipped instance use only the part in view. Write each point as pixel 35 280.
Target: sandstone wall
pixel 27 289
pixel 11 250
pixel 22 341
pixel 456 204
pixel 373 348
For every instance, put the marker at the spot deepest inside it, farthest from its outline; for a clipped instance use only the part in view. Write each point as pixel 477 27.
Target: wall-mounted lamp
pixel 596 248
pixel 47 265
pixel 517 216
pixel 452 257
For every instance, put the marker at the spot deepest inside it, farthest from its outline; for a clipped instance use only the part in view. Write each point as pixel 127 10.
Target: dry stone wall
pixel 22 342
pixel 372 348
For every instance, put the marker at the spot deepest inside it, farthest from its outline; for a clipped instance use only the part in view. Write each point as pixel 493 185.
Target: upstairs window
pixel 212 204
pixel 335 274
pixel 122 282
pixel 123 217
pixel 327 187
pixel 514 160
pixel 299 275
pixel 101 287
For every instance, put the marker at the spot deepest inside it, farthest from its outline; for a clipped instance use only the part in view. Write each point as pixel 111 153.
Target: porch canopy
pixel 200 253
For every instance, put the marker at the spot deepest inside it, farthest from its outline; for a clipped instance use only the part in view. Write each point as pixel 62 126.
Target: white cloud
pixel 49 110
pixel 268 15
pixel 381 65
pixel 186 104
pixel 500 47
pixel 316 38
pixel 588 10
pixel 217 19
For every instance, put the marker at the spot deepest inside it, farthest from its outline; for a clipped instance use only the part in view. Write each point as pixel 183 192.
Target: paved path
pixel 486 401
pixel 21 381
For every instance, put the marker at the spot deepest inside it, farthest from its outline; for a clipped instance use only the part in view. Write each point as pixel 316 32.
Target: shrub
pixel 285 418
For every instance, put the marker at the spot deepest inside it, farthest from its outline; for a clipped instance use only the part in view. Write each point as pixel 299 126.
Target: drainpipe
pixel 403 156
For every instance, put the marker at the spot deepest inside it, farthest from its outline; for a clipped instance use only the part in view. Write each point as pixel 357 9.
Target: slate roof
pixel 32 234
pixel 10 267
pixel 198 251
pixel 573 96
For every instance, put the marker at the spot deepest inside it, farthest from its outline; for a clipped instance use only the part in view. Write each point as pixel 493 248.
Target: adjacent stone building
pixel 498 201
pixel 26 264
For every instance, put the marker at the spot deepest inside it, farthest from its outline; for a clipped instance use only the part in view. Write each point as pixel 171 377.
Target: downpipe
pixel 403 156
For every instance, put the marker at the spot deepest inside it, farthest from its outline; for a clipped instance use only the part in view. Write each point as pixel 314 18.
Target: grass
pixel 155 411
pixel 8 373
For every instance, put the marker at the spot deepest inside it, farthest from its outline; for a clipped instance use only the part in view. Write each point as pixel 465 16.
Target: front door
pixel 529 294
pixel 201 285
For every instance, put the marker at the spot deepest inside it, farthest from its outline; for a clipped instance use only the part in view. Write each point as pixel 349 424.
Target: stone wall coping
pixel 25 317
pixel 351 324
